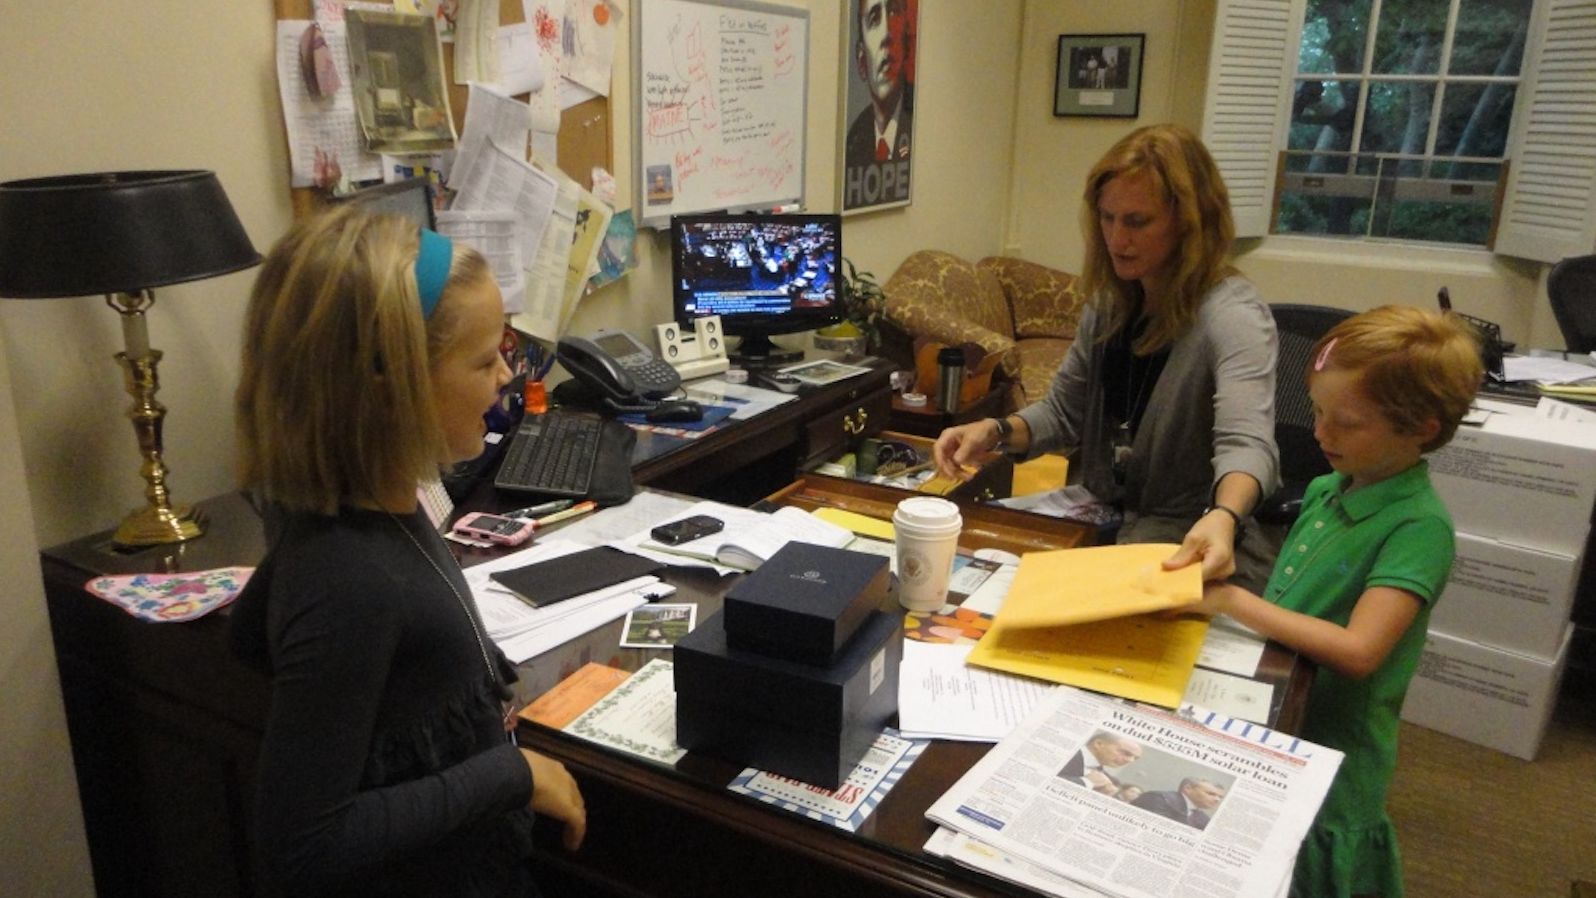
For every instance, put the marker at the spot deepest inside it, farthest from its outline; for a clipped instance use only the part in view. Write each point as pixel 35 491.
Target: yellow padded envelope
pixel 1078 616
pixel 1142 658
pixel 1074 586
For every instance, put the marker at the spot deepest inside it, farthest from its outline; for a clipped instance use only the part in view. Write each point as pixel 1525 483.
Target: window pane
pixel 1475 119
pixel 1322 115
pixel 1397 119
pixel 1490 37
pixel 1441 222
pixel 1337 216
pixel 1408 41
pixel 1333 35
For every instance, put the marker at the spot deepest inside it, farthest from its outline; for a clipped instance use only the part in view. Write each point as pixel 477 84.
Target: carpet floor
pixel 1475 822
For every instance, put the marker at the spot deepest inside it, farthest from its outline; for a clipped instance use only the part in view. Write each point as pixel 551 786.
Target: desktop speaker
pixel 711 342
pixel 674 347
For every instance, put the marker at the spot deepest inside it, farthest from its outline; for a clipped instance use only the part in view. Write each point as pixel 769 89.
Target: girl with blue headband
pixel 371 355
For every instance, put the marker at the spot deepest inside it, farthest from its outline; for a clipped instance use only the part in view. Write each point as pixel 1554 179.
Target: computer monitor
pixel 762 274
pixel 411 198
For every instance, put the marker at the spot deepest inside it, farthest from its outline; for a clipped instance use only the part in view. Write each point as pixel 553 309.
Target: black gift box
pixel 805 602
pixel 810 723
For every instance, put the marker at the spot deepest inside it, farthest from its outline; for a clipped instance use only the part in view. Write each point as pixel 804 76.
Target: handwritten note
pixel 721 108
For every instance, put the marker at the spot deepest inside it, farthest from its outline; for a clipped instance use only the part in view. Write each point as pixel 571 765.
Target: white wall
pixel 1053 156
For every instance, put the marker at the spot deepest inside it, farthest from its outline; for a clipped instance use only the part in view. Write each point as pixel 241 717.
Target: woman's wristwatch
pixel 1241 524
pixel 1005 430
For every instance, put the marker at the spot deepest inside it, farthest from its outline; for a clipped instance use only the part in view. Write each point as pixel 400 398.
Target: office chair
pixel 1299 327
pixel 1572 289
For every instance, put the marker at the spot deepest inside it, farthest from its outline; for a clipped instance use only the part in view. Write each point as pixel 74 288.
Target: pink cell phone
pixel 495 528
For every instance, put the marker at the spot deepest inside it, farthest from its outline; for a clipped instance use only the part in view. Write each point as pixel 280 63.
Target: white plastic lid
pixel 914 400
pixel 927 512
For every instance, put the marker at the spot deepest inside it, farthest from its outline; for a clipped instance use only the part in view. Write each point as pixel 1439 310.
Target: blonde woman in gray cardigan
pixel 1165 402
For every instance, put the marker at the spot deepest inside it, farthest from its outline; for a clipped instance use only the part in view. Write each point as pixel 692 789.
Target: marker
pixel 579 508
pixel 532 511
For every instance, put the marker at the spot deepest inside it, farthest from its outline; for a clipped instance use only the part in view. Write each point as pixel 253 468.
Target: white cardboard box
pixel 1520 479
pixel 1487 696
pixel 1507 597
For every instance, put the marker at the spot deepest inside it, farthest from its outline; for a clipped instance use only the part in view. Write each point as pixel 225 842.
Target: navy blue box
pixel 805 602
pixel 810 723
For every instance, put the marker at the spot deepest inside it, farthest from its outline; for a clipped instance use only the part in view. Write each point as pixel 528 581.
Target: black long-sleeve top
pixel 385 768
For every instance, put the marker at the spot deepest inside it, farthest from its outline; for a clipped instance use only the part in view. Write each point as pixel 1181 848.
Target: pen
pixel 579 508
pixel 532 511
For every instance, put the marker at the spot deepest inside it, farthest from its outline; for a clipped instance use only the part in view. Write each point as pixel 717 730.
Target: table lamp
pixel 121 234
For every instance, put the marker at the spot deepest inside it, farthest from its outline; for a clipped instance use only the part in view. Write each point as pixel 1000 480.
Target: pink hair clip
pixel 1324 355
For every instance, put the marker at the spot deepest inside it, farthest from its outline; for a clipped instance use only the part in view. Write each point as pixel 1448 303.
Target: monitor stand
pixel 757 352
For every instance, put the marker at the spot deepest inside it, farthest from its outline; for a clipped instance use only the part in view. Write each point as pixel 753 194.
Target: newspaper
pixel 1223 803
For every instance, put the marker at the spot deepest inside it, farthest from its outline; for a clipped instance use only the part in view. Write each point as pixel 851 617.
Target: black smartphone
pixel 687 529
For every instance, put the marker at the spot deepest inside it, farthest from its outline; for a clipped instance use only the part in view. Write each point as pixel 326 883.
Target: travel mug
pixel 950 368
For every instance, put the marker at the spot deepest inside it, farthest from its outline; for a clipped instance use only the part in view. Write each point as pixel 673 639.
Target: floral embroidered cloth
pixel 171 597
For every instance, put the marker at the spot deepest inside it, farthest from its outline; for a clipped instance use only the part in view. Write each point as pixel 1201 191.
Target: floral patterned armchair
pixel 1026 311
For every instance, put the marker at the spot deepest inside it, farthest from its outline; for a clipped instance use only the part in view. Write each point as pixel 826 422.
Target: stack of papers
pixel 522 631
pixel 1026 813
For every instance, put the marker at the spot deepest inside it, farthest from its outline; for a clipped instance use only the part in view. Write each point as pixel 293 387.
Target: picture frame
pixel 1099 75
pixel 875 171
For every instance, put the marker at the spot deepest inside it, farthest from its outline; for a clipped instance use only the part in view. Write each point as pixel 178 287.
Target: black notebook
pixel 543 583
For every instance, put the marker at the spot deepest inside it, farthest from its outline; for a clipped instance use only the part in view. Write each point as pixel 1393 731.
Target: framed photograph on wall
pixel 878 88
pixel 1099 75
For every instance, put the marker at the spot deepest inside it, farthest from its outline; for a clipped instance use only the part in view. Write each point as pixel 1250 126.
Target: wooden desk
pixel 677 831
pixel 166 727
pixel 744 461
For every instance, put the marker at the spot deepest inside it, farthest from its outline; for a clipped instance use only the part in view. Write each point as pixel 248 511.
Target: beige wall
pixel 42 848
pixel 93 87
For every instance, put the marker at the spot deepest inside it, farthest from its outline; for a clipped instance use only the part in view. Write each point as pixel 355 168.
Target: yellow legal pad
pixel 1077 616
pixel 858 523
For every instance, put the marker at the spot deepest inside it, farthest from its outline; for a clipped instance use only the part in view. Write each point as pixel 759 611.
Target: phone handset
pixel 624 373
pixel 597 369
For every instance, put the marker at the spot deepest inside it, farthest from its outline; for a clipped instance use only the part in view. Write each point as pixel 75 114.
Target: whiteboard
pixel 720 90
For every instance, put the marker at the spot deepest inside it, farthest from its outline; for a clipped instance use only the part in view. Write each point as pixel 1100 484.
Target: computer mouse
pixel 675 410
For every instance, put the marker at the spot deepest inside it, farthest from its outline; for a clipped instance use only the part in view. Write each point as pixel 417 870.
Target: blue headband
pixel 432 269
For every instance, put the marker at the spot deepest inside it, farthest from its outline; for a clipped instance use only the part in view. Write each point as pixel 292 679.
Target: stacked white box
pixel 1520 489
pixel 1523 480
pixel 1485 695
pixel 1507 596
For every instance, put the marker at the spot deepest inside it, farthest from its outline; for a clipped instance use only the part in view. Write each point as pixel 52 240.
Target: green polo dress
pixel 1393 533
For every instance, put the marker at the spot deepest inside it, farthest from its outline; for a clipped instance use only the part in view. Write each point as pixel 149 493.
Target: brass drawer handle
pixel 850 427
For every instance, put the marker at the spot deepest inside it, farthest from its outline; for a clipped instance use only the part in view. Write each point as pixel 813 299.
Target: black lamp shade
pixel 116 232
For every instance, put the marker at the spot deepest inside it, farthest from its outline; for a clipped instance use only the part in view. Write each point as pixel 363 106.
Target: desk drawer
pixel 995 480
pixel 834 432
pixel 985 526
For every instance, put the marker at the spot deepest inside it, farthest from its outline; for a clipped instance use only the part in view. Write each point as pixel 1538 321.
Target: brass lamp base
pixel 159 522
pixel 151 526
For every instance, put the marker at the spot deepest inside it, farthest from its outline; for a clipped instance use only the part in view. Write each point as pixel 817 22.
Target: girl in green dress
pixel 1357 575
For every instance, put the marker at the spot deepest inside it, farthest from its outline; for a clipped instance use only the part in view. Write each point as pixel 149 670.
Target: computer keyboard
pixel 552 453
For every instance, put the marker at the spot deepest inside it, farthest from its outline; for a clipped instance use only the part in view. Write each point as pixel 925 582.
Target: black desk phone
pixel 619 369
